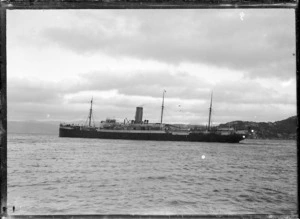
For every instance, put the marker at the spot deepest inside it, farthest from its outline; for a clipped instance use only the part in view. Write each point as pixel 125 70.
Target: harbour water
pixel 52 175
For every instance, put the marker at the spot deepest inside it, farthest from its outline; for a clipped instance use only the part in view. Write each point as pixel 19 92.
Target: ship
pixel 139 129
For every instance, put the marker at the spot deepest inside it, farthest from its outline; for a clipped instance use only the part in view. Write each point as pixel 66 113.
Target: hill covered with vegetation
pixel 284 129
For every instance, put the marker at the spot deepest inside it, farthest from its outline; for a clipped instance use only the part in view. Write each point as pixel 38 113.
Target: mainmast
pixel 91 112
pixel 210 108
pixel 162 107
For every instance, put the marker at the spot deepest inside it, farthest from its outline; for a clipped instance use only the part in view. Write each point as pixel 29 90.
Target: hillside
pixel 284 129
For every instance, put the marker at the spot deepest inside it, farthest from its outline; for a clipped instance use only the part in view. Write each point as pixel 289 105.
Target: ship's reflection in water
pixel 52 175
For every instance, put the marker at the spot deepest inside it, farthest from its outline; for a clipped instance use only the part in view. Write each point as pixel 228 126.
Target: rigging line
pixel 93 119
pixel 169 115
pixel 83 121
pixel 211 118
pixel 86 121
pixel 167 112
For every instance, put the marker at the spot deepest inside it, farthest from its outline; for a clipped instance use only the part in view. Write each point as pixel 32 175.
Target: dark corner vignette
pixel 3 120
pixel 297 92
pixel 107 4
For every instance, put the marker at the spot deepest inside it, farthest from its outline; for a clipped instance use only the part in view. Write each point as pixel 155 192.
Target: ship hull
pixel 154 136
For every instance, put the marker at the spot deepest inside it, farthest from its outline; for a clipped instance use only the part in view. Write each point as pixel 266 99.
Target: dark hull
pixel 195 137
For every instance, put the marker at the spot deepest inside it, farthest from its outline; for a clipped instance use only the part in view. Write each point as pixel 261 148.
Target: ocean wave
pixel 66 176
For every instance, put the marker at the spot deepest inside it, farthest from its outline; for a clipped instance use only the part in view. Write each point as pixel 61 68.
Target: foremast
pixel 210 108
pixel 90 113
pixel 162 107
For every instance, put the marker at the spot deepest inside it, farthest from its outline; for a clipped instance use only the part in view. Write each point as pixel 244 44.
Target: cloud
pixel 117 95
pixel 261 45
pixel 127 58
pixel 24 90
pixel 148 83
pixel 251 92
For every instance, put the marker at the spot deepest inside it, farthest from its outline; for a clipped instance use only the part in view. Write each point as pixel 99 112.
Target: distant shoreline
pixel 281 130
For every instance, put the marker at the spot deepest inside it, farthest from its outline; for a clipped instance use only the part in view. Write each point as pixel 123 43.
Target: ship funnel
pixel 139 115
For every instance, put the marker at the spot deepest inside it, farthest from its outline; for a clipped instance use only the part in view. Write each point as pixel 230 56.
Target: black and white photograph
pixel 151 112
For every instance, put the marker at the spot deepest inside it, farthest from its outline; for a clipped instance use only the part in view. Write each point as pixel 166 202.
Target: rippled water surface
pixel 51 175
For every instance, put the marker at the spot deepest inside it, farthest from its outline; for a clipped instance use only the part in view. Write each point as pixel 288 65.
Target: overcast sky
pixel 59 59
